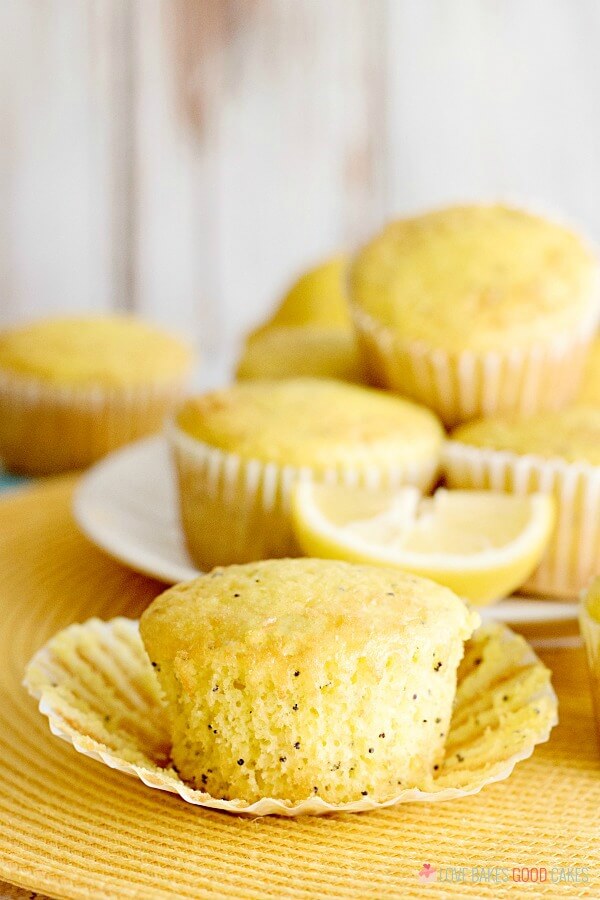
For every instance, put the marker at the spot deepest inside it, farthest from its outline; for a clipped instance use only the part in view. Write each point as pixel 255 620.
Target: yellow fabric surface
pixel 72 828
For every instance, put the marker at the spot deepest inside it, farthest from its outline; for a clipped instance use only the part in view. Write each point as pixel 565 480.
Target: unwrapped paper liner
pixel 95 684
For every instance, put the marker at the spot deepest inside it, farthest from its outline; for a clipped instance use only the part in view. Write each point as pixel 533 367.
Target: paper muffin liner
pixel 572 557
pixel 46 428
pixel 236 510
pixel 465 385
pixel 590 630
pixel 96 686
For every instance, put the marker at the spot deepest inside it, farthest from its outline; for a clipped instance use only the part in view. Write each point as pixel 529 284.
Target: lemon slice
pixel 295 352
pixel 482 544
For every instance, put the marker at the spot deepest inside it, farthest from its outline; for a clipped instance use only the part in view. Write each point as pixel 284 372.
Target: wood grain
pixel 185 158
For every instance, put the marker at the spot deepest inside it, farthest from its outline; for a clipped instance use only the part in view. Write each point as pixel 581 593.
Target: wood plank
pixel 493 101
pixel 256 154
pixel 185 158
pixel 59 163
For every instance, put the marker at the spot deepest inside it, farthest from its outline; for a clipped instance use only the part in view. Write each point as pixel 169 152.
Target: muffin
pixel 71 389
pixel 555 452
pixel 476 310
pixel 239 451
pixel 295 678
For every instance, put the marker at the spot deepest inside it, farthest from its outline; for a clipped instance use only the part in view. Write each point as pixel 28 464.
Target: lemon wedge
pixel 481 544
pixel 296 352
pixel 318 297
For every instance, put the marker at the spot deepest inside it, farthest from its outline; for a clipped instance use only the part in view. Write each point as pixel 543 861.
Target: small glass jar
pixel 589 621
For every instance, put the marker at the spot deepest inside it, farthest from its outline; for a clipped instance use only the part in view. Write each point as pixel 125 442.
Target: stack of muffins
pixel 481 314
pixel 289 677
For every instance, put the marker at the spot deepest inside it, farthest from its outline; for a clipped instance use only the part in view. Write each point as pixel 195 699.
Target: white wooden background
pixel 184 158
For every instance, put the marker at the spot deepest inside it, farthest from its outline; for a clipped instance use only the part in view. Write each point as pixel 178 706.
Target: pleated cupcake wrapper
pixel 82 422
pixel 465 385
pixel 33 390
pixel 573 554
pixel 97 688
pixel 228 471
pixel 237 484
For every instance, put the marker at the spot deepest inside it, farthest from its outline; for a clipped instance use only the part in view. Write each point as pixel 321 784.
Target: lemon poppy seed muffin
pixel 476 310
pixel 240 450
pixel 74 388
pixel 295 678
pixel 556 452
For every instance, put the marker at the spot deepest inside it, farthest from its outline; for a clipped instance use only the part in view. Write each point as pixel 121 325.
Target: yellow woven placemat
pixel 70 827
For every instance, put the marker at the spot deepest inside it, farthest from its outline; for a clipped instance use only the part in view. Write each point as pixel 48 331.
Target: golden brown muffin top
pixel 312 422
pixel 572 434
pixel 295 606
pixel 477 277
pixel 88 350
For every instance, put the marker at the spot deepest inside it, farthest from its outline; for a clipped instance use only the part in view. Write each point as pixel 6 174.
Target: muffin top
pixel 312 422
pixel 572 434
pixel 301 607
pixel 90 350
pixel 478 278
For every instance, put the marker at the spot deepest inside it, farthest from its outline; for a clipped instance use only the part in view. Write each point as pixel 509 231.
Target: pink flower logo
pixel 427 873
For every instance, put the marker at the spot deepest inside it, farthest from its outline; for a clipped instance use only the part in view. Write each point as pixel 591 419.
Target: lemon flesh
pixel 296 352
pixel 481 544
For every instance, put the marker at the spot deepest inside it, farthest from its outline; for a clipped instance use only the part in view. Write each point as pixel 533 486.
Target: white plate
pixel 126 504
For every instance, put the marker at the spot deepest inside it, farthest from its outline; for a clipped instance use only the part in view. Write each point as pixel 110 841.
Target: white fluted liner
pixel 46 428
pixel 96 686
pixel 573 554
pixel 465 385
pixel 238 510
